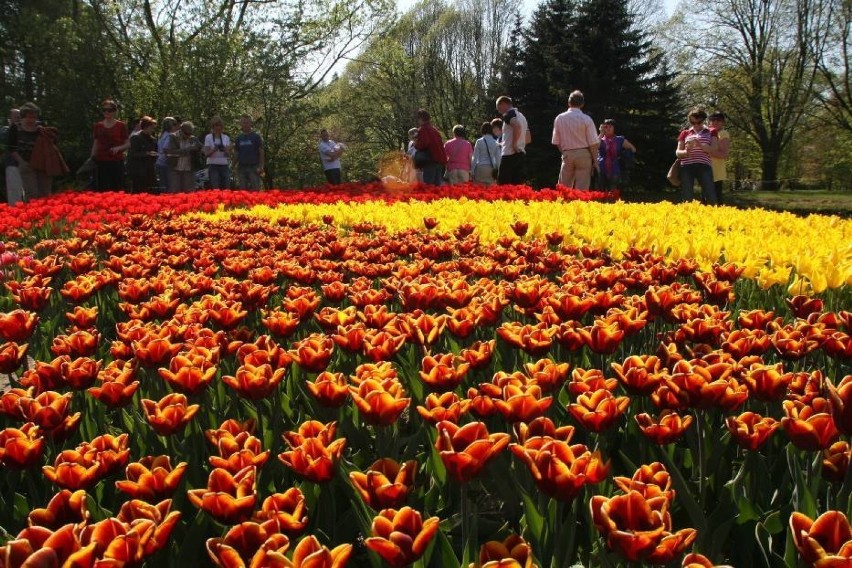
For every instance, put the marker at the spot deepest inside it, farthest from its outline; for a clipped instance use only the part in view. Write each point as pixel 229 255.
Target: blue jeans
pixel 703 174
pixel 433 174
pixel 249 178
pixel 219 176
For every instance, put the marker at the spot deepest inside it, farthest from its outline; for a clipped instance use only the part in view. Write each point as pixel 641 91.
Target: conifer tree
pixel 595 46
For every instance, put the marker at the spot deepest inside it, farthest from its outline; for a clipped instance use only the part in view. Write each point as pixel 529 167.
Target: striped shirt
pixel 696 155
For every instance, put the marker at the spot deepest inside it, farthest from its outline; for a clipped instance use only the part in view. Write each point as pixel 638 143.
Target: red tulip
pixel 65 507
pixel 255 382
pixel 284 512
pixel 17 325
pixel 809 426
pixel 445 406
pixel 840 397
pixel 667 428
pixel 11 357
pixel 598 410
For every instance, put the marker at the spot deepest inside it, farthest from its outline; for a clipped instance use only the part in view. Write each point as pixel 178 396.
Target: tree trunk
pixel 769 170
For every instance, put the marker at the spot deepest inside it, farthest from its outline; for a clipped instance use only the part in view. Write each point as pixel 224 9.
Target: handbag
pixel 422 158
pixel 490 159
pixel 674 174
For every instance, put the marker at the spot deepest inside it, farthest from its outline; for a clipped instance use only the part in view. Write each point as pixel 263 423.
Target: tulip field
pixel 431 377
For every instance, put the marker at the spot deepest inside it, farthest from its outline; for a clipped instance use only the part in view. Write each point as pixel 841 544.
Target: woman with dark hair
pixel 34 157
pixel 142 157
pixel 486 156
pixel 695 145
pixel 610 152
pixel 110 141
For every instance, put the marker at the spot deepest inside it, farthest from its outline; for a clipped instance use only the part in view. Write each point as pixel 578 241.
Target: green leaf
pixel 533 517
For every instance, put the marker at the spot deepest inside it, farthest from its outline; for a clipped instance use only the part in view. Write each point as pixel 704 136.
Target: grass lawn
pixel 796 201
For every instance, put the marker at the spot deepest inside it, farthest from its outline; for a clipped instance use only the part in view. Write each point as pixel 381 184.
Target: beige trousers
pixel 576 168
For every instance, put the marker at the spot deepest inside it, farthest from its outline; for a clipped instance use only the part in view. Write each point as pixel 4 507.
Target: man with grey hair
pixel 575 135
pixel 181 151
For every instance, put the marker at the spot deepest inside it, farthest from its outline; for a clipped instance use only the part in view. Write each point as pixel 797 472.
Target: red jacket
pixel 428 138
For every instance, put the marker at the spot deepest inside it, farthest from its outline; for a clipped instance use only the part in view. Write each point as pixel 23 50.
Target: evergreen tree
pixel 596 47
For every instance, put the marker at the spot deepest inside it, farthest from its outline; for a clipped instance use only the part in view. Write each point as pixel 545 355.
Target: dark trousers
pixel 333 176
pixel 109 176
pixel 511 169
pixel 145 183
pixel 219 176
pixel 719 185
pixel 433 174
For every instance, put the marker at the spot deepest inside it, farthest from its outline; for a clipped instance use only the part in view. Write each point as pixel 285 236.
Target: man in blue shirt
pixel 250 155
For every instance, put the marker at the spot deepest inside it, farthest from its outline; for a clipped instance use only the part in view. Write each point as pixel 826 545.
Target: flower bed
pixel 438 384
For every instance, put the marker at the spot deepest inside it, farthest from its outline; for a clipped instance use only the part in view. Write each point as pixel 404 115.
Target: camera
pixel 220 147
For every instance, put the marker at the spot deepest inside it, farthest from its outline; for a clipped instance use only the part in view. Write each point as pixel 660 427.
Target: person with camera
pixel 217 148
pixel 181 151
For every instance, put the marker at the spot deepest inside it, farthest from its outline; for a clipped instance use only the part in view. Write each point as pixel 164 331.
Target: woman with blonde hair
pixel 217 148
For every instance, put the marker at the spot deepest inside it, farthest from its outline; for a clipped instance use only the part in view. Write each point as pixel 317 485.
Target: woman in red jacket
pixel 110 141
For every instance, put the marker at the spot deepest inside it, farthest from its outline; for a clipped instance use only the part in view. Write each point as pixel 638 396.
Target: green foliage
pixel 597 47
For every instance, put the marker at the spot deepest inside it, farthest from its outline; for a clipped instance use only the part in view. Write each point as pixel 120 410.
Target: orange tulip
pixel 227 498
pixel 401 537
pixel 21 447
pixel 809 426
pixel 39 546
pixel 835 462
pixel 479 354
pixel 824 542
pixel 72 470
pixel 598 410
pixel 248 544
pixel 313 460
pixel 284 512
pixel 17 325
pixel 639 528
pixel 11 357
pixel 82 343
pixel 383 345
pixel 639 374
pixel 351 338
pixel 80 373
pixel 380 402
pixel 650 480
pixel 309 553
pixel 152 351
pixel 151 478
pixel 559 469
pixel 840 397
pixel 280 323
pixel 386 483
pixel 751 430
pixel 766 382
pixel 238 452
pixel 65 507
pixel 512 552
pixel 255 382
pixel 445 406
pixel 117 386
pixel 423 328
pixel 10 403
pixel 465 450
pixel 330 389
pixel 83 318
pixel 170 414
pixel 522 403
pixel 162 518
pixel 188 373
pixel 313 353
pixel 535 340
pixel 50 412
pixel 547 374
pixel 585 381
pixel 667 428
pixel 443 372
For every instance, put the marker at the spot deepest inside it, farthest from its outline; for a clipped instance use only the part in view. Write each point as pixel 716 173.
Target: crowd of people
pixel 591 157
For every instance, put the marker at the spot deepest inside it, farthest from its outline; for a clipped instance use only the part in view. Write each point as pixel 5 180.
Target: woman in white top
pixel 486 156
pixel 217 148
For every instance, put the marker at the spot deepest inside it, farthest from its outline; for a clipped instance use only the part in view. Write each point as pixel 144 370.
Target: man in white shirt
pixel 330 152
pixel 575 135
pixel 513 149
